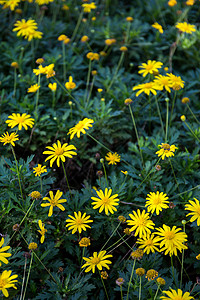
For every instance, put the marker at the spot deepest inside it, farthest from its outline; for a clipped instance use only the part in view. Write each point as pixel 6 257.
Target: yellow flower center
pixel 95 260
pixel 141 222
pixel 169 235
pixel 198 211
pixel 106 200
pixel 149 67
pixel 157 200
pixel 20 119
pixel 166 147
pixel 148 85
pixel 59 151
pixel 3 282
pixel 79 126
pixel 164 81
pixel 79 221
pixel 54 202
pixel 149 243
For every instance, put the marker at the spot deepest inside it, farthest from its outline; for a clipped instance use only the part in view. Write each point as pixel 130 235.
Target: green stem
pixel 29 271
pixel 23 281
pixel 77 26
pixel 66 176
pixel 37 98
pixel 54 100
pixel 15 82
pixel 110 236
pixel 91 88
pixel 167 119
pixel 82 255
pixel 64 64
pixel 140 288
pixel 127 32
pixel 99 142
pixel 156 292
pixel 182 262
pixel 136 132
pixel 186 191
pixel 121 292
pixel 172 110
pixel 41 185
pixel 160 117
pixel 116 71
pixel 130 279
pixel 88 80
pixel 192 113
pixel 18 175
pixel 104 286
pixel 121 238
pixel 174 175
pixel 192 131
pixel 105 173
pixel 173 269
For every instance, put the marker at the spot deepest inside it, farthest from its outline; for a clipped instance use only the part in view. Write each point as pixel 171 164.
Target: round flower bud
pixel 140 272
pixel 183 118
pixel 32 246
pixel 185 100
pixel 161 281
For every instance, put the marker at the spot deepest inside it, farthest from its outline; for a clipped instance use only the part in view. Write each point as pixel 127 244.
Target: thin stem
pixel 110 236
pixel 121 238
pixel 121 292
pixel 130 279
pixel 37 98
pixel 116 71
pixel 82 255
pixel 136 132
pixel 99 142
pixel 172 110
pixel 15 82
pixel 88 80
pixel 77 26
pixel 192 113
pixel 140 288
pixel 41 188
pixel 105 173
pixel 13 151
pixel 160 117
pixel 54 100
pixel 104 286
pixel 64 64
pixel 174 174
pixel 186 191
pixel 192 131
pixel 66 176
pixel 24 275
pixel 156 292
pixel 167 119
pixel 29 271
pixel 91 88
pixel 182 262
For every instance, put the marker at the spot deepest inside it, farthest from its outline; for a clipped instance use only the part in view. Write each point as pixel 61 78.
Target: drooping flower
pixel 151 274
pixel 7 281
pixel 97 260
pixel 42 231
pixel 112 158
pixel 54 201
pixel 194 207
pixel 166 150
pixel 176 295
pixel 64 38
pixel 149 243
pixel 80 127
pixel 156 202
pixel 33 88
pixel 9 139
pixel 70 85
pixel 140 223
pixel 147 88
pixel 23 120
pixel 87 7
pixel 53 86
pixel 171 240
pixel 158 27
pixel 39 170
pixel 120 281
pixel 59 152
pixel 78 223
pixel 15 64
pixel 150 67
pixel 105 201
pixel 186 27
pixel 84 242
pixel 3 253
pixel 164 82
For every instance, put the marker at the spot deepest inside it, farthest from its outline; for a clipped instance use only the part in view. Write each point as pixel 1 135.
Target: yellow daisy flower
pixel 53 86
pixel 49 71
pixel 194 207
pixel 11 4
pixel 150 67
pixel 24 27
pixel 3 254
pixel 166 150
pixel 84 242
pixel 80 128
pixel 93 56
pixel 87 7
pixel 151 274
pixel 140 223
pixel 112 158
pixel 42 231
pixel 7 281
pixel 33 88
pixel 172 3
pixel 39 170
pixel 175 81
pixel 186 27
pixel 54 201
pixel 173 295
pixel 59 152
pixel 9 139
pixel 147 88
pixel 23 120
pixel 40 70
pixel 70 85
pixel 97 260
pixel 164 82
pixel 78 223
pixel 171 240
pixel 149 243
pixel 156 202
pixel 105 201
pixel 42 2
pixel 158 27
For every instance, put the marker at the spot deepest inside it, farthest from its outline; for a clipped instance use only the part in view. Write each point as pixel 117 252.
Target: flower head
pixel 70 85
pixel 104 275
pixel 149 243
pixel 80 128
pixel 150 67
pixel 129 19
pixel 164 82
pixel 194 207
pixel 147 88
pixel 110 42
pixel 84 39
pixel 84 242
pixel 156 202
pixel 33 88
pixel 171 239
pixel 175 81
pixel 93 56
pixel 53 86
pixel 49 71
pixel 112 158
pixel 123 48
pixel 35 195
pixel 32 246
pixel 158 27
pixel 64 39
pixel 87 7
pixel 59 152
pixel 7 281
pixel 3 254
pixel 160 281
pixel 40 70
pixel 137 254
pixel 105 201
pixel 97 260
pixel 39 61
pixel 186 27
pixel 39 170
pixel 15 65
pixel 140 272
pixel 9 139
pixel 11 4
pixel 54 201
pixel 166 150
pixel 172 2
pixel 140 223
pixel 151 274
pixel 27 29
pixel 42 231
pixel 78 222
pixel 190 2
pixel 185 100
pixel 176 295
pixel 23 120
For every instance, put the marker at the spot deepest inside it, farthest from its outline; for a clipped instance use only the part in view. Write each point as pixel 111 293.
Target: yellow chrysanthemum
pixel 186 27
pixel 176 295
pixel 166 150
pixel 105 201
pixel 190 2
pixel 23 120
pixel 147 88
pixel 33 88
pixel 97 260
pixel 84 242
pixel 151 274
pixel 156 202
pixel 158 27
pixel 172 2
pixel 3 254
pixel 112 158
pixel 42 2
pixel 80 128
pixel 149 243
pixel 39 170
pixel 175 81
pixel 32 246
pixel 164 82
pixel 87 7
pixel 59 152
pixel 54 201
pixel 70 85
pixel 40 70
pixel 42 231
pixel 78 222
pixel 11 4
pixel 110 42
pixel 150 67
pixel 93 56
pixel 53 86
pixel 140 223
pixel 24 27
pixel 49 71
pixel 171 240
pixel 9 139
pixel 194 207
pixel 7 281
